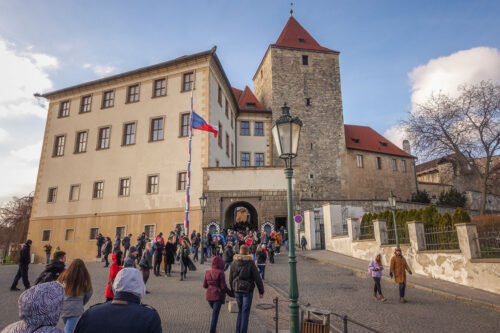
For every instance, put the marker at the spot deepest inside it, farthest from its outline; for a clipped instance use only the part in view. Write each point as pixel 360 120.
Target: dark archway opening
pixel 280 222
pixel 241 215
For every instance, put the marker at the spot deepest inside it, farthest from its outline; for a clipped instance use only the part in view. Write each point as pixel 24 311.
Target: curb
pixel 439 292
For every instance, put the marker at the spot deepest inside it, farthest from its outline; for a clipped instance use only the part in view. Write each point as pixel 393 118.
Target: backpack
pixel 45 276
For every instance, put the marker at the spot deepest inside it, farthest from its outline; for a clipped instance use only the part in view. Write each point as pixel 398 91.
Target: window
pixel 219 96
pixel 359 159
pixel 305 60
pixel 394 165
pixel 232 120
pixel 128 134
pixel 181 181
pixel 156 131
pixel 133 94
pixel 379 163
pixel 259 128
pixel 69 235
pixel 216 163
pixel 51 198
pixel 74 192
pixel 124 190
pixel 64 109
pixel 187 81
pixel 227 110
pixel 403 165
pixel 232 153
pixel 81 142
pixel 59 143
pixel 153 184
pixel 86 104
pixel 150 231
pixel 308 101
pixel 98 190
pixel 250 105
pixel 227 145
pixel 259 159
pixel 93 233
pixel 244 128
pixel 45 235
pixel 301 40
pixel 184 124
pixel 160 88
pixel 108 99
pixel 103 139
pixel 245 159
pixel 120 231
pixel 220 136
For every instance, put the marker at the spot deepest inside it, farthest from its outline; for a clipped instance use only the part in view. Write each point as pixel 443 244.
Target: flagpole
pixel 188 173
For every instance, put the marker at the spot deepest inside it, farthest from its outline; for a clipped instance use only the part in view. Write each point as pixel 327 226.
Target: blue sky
pixel 381 42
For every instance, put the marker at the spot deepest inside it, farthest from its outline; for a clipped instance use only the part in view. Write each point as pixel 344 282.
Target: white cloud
pixel 100 70
pixel 4 135
pixel 22 75
pixel 446 74
pixel 28 153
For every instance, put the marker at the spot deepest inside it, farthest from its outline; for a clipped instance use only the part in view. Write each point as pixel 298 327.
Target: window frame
pixel 78 143
pixel 255 128
pixel 99 138
pixel 181 124
pixel 124 230
pixel 378 163
pixel 403 165
pixel 136 94
pixel 128 188
pixel 232 153
pixel 249 159
pixel 241 127
pixel 359 161
pixel 227 144
pixel 305 60
pixel 112 99
pixel 148 183
pixel 70 198
pixel 219 95
pixel 183 81
pixel 83 104
pixel 43 234
pixel 49 196
pixel 263 159
pixel 226 108
pixel 394 165
pixel 60 113
pixel 219 137
pixel 151 128
pixel 124 133
pixel 154 229
pixel 179 181
pixel 96 234
pixel 164 88
pixel 66 239
pixel 95 190
pixel 55 151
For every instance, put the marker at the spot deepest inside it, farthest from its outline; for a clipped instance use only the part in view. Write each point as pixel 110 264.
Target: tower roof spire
pixel 296 37
pixel 291 9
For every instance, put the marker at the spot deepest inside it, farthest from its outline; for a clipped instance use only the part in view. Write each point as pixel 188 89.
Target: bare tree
pixel 14 220
pixel 466 127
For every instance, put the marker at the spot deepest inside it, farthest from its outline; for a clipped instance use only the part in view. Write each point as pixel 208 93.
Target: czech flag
pixel 200 124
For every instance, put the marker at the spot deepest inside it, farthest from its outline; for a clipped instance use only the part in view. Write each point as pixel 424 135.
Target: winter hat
pixel 129 280
pixel 133 249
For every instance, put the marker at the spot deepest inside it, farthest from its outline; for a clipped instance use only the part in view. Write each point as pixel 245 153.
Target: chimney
pixel 406 146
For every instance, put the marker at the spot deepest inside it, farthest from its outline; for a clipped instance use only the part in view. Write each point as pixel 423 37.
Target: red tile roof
pixel 296 37
pixel 365 138
pixel 246 97
pixel 432 164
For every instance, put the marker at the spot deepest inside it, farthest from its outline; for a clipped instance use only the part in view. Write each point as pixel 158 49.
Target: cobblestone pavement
pixel 181 305
pixel 344 292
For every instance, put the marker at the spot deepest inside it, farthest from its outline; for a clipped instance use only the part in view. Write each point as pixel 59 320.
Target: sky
pixel 393 54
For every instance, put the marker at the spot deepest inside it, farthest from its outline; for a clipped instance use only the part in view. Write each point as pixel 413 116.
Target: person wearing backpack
pixel 215 284
pixel 243 276
pixel 107 250
pixel 126 244
pixel 54 269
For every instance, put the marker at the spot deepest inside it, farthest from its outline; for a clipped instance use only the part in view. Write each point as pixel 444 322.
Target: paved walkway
pixel 440 287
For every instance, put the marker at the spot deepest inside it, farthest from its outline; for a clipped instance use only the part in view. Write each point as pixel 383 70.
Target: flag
pixel 200 124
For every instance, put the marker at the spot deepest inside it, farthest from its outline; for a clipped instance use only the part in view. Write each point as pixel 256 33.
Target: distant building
pixel 115 149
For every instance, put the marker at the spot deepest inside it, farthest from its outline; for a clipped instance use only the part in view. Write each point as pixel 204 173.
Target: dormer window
pixel 250 105
pixel 355 140
pixel 383 143
pixel 301 40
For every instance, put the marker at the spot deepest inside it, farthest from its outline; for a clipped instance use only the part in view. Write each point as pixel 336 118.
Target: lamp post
pixel 392 203
pixel 286 133
pixel 203 205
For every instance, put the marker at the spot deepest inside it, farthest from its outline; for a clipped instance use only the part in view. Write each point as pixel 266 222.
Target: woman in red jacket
pixel 215 283
pixel 113 271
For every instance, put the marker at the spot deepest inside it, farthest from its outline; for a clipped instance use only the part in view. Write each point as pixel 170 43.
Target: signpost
pixel 298 219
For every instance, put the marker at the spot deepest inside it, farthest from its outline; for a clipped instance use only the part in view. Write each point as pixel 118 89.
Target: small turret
pixel 406 146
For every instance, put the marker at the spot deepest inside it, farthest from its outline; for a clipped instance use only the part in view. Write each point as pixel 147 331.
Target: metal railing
pixel 366 231
pixel 489 243
pixel 441 238
pixel 403 235
pixel 340 230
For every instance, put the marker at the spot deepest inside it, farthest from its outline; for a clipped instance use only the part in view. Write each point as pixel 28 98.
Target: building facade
pixel 114 155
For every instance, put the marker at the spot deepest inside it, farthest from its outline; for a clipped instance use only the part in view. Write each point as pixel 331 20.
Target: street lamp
pixel 392 203
pixel 203 205
pixel 286 133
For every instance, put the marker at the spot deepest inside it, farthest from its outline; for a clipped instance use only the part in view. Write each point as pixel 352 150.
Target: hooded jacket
pixel 372 268
pixel 24 255
pixel 399 268
pixel 215 281
pixel 39 309
pixel 243 269
pixel 113 271
pixel 51 272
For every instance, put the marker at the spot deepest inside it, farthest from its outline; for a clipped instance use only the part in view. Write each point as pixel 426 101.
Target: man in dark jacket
pixel 228 255
pixel 100 242
pixel 126 244
pixel 22 271
pixel 118 242
pixel 141 244
pixel 54 269
pixel 125 313
pixel 243 276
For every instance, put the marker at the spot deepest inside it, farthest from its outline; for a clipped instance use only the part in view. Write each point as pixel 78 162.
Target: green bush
pixel 420 196
pixel 452 198
pixel 429 215
pixel 446 220
pixel 460 215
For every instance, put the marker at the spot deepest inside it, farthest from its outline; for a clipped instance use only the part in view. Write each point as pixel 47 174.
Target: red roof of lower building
pixel 247 100
pixel 365 138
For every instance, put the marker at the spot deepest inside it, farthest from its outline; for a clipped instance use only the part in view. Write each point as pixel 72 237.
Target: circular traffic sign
pixel 298 219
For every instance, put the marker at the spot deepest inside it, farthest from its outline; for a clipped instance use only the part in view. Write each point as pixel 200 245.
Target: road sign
pixel 298 219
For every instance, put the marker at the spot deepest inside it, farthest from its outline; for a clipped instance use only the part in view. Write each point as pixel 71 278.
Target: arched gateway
pixel 241 214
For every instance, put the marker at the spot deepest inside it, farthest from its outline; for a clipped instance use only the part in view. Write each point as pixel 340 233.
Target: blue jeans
pixel 70 323
pixel 227 265
pixel 262 270
pixel 286 245
pixel 402 287
pixel 215 314
pixel 47 256
pixel 244 305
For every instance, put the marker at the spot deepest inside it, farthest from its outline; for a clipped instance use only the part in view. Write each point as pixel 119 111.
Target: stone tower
pixel 305 75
